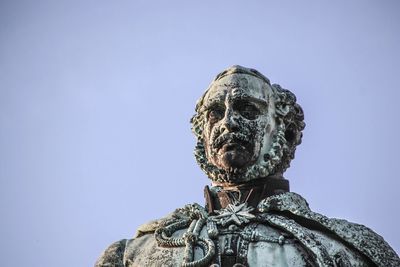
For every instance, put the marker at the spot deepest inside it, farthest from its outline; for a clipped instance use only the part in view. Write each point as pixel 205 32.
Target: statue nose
pixel 229 123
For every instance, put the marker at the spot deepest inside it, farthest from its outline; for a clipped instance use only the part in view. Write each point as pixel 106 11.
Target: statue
pixel 247 131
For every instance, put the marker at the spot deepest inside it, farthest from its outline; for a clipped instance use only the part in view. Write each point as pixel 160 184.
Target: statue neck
pixel 221 195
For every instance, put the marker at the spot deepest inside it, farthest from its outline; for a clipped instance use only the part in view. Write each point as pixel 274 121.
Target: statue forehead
pixel 237 84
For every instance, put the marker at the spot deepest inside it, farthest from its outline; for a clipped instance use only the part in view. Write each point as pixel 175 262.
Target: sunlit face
pixel 239 122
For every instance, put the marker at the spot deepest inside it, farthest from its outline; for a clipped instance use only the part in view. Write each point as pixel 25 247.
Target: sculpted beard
pixel 261 168
pixel 235 152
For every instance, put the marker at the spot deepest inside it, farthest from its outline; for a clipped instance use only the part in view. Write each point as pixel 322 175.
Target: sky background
pixel 96 97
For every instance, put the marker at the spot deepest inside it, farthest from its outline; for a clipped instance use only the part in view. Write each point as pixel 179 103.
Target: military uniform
pixel 257 224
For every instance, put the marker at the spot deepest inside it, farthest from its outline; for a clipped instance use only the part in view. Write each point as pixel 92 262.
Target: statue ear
pixel 282 109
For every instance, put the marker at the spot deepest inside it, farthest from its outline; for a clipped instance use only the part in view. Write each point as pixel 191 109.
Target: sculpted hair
pixel 290 115
pixel 290 124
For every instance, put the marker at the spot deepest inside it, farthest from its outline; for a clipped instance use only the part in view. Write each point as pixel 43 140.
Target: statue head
pixel 246 128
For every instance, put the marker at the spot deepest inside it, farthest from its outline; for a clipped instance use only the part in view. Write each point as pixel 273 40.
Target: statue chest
pixel 255 245
pixel 258 245
pixel 236 237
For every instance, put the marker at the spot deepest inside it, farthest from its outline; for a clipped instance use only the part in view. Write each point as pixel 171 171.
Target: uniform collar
pixel 219 196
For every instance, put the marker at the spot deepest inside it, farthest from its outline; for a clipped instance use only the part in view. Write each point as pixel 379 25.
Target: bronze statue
pixel 247 131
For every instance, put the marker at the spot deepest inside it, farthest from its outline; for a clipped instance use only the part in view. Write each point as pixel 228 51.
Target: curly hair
pixel 290 124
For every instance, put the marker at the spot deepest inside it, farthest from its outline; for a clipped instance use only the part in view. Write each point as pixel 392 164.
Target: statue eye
pixel 215 114
pixel 247 110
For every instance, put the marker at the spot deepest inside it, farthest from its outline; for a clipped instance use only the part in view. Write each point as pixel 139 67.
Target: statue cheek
pixel 259 130
pixel 206 136
pixel 208 129
pixel 209 135
pixel 256 127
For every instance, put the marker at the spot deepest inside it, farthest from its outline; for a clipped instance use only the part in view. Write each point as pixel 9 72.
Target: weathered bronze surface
pixel 247 130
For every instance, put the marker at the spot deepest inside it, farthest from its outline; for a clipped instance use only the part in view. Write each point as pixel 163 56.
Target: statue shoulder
pixel 113 255
pixel 358 236
pixel 179 213
pixel 366 241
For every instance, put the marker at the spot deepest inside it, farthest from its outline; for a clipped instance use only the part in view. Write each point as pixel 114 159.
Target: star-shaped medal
pixel 237 214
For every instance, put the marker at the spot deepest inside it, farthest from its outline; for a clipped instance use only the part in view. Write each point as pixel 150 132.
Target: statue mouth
pixel 232 146
pixel 232 141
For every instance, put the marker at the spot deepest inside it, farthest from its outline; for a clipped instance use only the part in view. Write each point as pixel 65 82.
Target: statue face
pixel 239 123
pixel 245 128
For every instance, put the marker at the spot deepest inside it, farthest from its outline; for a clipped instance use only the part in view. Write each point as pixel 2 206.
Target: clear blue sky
pixel 96 96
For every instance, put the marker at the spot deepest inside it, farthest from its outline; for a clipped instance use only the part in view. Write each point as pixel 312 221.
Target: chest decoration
pixel 193 217
pixel 231 223
pixel 237 214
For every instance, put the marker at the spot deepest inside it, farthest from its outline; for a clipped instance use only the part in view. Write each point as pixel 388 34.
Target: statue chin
pixel 233 159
